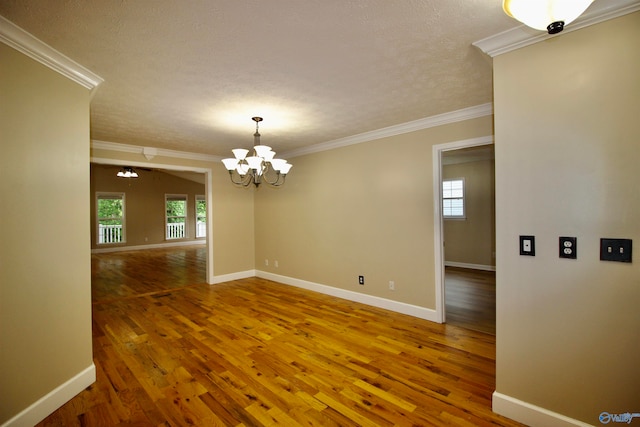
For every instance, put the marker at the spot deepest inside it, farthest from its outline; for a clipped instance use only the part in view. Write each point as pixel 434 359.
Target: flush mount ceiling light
pixel 549 15
pixel 261 166
pixel 127 172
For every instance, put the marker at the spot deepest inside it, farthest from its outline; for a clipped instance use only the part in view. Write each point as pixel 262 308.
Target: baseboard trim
pixel 471 266
pixel 45 406
pixel 234 276
pixel 152 246
pixel 398 307
pixel 531 415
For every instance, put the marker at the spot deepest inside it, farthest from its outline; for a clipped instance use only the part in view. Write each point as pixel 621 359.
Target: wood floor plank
pixel 171 350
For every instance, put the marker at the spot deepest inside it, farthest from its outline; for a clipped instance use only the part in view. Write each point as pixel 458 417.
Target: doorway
pixel 464 225
pixel 207 172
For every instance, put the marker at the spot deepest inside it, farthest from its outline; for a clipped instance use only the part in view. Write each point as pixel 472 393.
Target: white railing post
pixel 109 233
pixel 176 230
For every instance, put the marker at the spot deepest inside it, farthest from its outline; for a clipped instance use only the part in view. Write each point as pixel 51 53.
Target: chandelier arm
pixel 279 183
pixel 273 182
pixel 244 182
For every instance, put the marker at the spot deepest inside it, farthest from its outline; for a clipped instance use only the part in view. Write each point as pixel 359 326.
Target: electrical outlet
pixel 266 262
pixel 528 245
pixel 275 263
pixel 392 285
pixel 568 247
pixel 361 280
pixel 615 250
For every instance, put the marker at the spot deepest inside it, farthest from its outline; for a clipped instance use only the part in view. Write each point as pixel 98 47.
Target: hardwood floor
pixel 130 274
pixel 253 352
pixel 471 299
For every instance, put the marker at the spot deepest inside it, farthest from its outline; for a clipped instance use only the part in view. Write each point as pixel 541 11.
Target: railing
pixel 176 230
pixel 201 229
pixel 109 233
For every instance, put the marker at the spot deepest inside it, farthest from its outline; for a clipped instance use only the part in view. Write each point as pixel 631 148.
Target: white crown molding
pixel 425 123
pixel 152 151
pixel 19 39
pixel 515 38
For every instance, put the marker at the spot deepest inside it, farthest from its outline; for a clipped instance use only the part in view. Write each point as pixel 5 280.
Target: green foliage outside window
pixel 201 210
pixel 176 211
pixel 110 211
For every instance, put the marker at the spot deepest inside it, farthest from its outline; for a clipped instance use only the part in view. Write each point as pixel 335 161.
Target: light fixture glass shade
pixel 230 164
pixel 242 169
pixel 262 150
pixel 542 13
pixel 277 164
pixel 285 168
pixel 254 162
pixel 269 155
pixel 240 153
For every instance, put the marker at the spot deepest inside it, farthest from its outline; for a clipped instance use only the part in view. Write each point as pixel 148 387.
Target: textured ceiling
pixel 189 75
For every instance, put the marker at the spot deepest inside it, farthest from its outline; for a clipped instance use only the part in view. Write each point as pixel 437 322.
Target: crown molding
pixel 151 152
pixel 515 38
pixel 428 122
pixel 425 123
pixel 19 39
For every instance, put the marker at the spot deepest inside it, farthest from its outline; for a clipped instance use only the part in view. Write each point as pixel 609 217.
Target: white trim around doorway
pixel 437 214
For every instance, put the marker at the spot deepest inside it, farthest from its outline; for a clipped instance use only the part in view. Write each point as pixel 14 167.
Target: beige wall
pixel 472 240
pixel 567 164
pixel 144 203
pixel 45 282
pixel 365 209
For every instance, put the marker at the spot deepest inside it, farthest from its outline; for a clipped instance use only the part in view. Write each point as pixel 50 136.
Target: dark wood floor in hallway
pixel 253 352
pixel 471 299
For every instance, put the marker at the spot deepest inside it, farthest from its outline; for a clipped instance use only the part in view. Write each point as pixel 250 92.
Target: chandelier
pixel 550 15
pixel 127 172
pixel 261 166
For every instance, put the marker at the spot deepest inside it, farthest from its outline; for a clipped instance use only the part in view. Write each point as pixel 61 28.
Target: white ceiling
pixel 189 75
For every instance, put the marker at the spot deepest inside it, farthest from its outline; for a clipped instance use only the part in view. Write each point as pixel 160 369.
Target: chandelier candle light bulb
pixel 261 166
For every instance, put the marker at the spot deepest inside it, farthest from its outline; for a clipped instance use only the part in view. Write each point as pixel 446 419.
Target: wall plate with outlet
pixel 361 280
pixel 528 245
pixel 568 247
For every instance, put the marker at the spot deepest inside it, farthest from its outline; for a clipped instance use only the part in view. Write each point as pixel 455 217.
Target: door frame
pixel 438 239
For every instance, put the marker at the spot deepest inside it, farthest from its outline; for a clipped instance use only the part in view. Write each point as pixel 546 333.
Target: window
pixel 201 216
pixel 453 198
pixel 176 216
pixel 110 217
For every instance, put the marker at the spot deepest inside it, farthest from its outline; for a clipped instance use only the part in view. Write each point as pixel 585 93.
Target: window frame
pixel 109 195
pixel 463 198
pixel 168 197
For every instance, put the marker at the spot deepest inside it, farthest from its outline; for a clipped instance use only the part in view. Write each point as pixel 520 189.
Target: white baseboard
pixel 153 246
pixel 471 266
pixel 234 276
pixel 531 415
pixel 398 307
pixel 45 406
